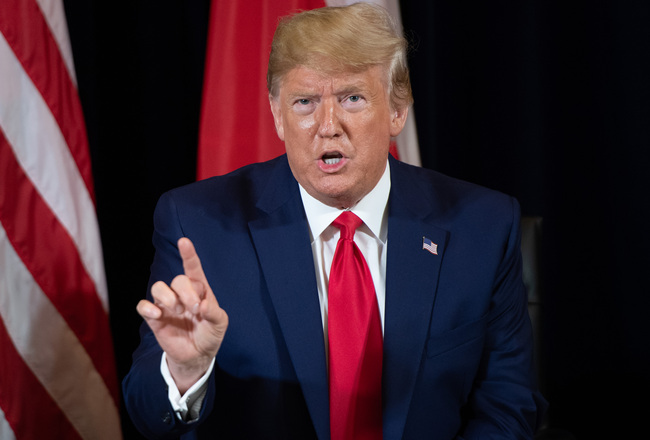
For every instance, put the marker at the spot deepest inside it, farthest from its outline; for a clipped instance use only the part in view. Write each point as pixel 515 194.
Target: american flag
pixel 57 369
pixel 430 246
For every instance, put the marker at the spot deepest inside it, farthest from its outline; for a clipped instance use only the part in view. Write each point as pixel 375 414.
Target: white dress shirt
pixel 370 237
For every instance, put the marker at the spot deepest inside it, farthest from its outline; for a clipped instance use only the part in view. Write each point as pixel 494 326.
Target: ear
pixel 276 109
pixel 397 121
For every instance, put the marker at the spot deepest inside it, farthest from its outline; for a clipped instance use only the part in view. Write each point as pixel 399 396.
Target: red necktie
pixel 355 341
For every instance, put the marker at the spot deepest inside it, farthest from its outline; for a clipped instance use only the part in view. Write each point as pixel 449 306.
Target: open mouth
pixel 332 158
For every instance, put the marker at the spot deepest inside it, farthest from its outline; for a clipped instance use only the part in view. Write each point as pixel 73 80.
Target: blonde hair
pixel 334 39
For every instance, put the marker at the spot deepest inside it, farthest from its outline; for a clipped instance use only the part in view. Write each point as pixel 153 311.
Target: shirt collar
pixel 371 209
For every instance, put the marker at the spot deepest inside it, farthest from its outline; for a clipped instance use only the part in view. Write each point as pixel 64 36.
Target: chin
pixel 335 191
pixel 339 200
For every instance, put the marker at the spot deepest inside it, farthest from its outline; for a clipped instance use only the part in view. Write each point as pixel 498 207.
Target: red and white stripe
pixel 236 126
pixel 57 370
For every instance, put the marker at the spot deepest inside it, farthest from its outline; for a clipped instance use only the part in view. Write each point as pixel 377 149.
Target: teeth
pixel 332 161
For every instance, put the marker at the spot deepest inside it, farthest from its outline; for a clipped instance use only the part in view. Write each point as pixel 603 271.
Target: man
pixel 237 343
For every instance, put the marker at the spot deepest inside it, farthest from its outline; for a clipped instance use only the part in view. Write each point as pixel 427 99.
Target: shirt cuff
pixel 187 406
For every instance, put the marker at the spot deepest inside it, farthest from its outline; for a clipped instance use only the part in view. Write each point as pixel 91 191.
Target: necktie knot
pixel 347 222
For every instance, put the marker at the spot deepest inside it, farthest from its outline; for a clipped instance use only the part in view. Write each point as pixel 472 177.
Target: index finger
pixel 191 261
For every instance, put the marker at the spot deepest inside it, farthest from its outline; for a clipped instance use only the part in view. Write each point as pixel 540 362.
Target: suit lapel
pixel 281 238
pixel 411 283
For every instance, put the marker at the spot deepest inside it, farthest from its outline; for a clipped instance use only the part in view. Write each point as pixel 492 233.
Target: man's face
pixel 336 129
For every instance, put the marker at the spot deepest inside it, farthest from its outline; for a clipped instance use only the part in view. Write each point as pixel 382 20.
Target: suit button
pixel 167 418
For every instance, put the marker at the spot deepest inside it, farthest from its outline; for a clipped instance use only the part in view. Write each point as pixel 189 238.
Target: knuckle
pixel 162 294
pixel 158 289
pixel 180 279
pixel 180 283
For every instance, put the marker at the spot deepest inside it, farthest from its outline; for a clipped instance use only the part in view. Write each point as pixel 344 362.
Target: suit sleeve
pixel 505 403
pixel 144 388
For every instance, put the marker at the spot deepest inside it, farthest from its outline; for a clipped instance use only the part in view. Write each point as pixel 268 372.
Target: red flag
pixel 236 122
pixel 57 370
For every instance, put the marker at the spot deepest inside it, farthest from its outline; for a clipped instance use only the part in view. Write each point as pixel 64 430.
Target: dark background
pixel 544 100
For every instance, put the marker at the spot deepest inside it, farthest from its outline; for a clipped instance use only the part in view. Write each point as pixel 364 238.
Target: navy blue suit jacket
pixel 457 338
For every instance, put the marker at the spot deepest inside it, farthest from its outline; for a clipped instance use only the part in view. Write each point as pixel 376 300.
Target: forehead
pixel 303 79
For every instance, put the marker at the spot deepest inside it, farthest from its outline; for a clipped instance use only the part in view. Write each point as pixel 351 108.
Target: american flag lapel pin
pixel 430 246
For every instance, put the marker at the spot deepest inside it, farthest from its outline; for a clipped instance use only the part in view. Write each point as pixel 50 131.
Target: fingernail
pixel 195 309
pixel 179 309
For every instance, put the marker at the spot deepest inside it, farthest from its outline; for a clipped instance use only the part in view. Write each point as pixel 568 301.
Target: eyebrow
pixel 347 88
pixel 351 88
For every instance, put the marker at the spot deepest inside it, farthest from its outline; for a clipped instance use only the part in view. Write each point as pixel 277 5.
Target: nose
pixel 328 119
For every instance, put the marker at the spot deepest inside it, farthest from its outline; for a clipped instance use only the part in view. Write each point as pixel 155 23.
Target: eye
pixel 354 103
pixel 303 106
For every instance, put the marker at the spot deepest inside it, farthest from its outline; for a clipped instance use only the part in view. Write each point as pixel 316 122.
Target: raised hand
pixel 186 319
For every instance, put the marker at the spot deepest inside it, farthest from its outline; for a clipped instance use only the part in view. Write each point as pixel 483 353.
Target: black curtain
pixel 548 101
pixel 545 100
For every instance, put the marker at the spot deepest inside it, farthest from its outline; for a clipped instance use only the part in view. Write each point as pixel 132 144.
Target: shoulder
pixel 249 180
pixel 448 196
pixel 238 190
pixel 224 201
